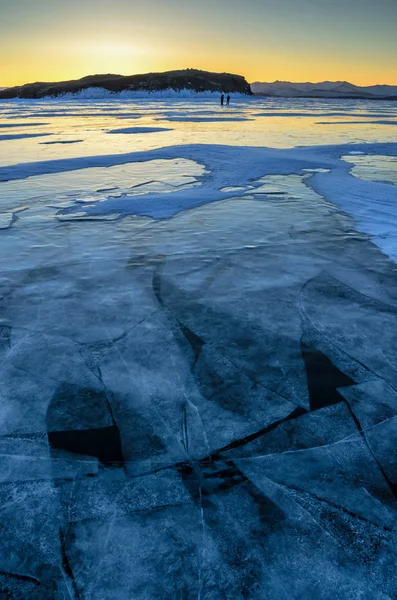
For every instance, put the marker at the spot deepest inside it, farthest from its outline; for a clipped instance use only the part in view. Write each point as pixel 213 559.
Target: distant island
pixel 325 89
pixel 188 80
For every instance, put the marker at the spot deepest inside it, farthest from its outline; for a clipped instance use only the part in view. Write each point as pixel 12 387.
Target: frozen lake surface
pixel 198 350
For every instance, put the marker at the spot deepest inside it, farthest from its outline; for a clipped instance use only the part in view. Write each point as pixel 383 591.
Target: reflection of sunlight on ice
pixel 97 183
pixel 265 122
pixel 111 191
pixel 374 168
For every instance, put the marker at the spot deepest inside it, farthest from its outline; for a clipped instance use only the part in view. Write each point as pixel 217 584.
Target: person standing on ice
pixel 228 100
pixel 222 99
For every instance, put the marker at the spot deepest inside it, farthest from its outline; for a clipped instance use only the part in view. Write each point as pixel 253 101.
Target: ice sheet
pixel 198 355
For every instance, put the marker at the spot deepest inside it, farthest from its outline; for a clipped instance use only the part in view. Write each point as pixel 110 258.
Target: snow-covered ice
pixel 198 381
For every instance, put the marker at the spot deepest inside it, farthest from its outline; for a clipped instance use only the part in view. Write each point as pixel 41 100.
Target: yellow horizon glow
pixel 119 59
pixel 263 40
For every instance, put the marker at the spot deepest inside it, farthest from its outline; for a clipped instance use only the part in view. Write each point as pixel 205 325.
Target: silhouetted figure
pixel 228 99
pixel 222 99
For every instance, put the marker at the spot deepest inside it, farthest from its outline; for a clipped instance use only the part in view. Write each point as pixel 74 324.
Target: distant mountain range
pixel 325 89
pixel 193 80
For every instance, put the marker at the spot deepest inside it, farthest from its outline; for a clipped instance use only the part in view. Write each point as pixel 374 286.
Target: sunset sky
pixel 295 40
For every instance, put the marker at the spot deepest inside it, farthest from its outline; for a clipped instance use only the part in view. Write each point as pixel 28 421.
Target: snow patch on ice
pixel 373 205
pixel 228 169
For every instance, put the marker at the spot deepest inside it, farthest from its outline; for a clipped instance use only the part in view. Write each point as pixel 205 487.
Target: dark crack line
pixel 350 513
pixel 66 566
pixel 21 577
pixel 297 412
pixel 392 487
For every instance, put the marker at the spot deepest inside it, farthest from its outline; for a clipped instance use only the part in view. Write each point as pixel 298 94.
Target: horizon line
pixel 204 70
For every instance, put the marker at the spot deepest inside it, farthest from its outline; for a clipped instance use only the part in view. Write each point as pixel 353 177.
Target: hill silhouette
pixel 189 79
